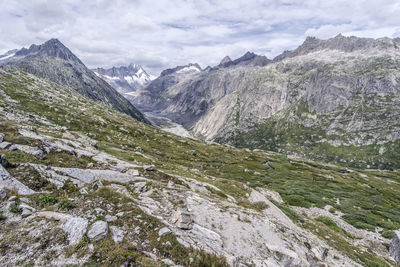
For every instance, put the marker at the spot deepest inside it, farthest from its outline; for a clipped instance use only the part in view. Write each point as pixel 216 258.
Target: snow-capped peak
pixel 125 78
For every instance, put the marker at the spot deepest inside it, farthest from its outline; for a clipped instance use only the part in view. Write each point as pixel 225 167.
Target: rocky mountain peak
pixel 248 59
pixel 52 48
pixel 225 60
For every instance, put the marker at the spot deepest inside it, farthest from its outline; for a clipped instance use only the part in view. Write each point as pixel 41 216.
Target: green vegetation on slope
pixel 369 199
pixel 284 133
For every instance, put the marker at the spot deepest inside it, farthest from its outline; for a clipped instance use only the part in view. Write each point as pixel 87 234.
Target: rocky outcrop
pixel 394 248
pixel 75 227
pixel 183 219
pixel 10 183
pixel 117 234
pixel 97 231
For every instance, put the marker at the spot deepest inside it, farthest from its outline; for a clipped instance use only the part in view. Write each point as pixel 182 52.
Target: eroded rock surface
pixel 394 248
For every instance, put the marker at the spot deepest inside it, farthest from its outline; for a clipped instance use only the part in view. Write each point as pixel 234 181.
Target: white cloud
pixel 160 34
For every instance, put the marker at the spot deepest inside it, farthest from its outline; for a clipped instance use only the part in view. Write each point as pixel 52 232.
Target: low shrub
pixel 14 208
pixel 65 204
pixel 46 200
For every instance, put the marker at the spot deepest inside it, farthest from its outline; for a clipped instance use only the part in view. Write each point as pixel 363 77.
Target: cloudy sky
pixel 159 34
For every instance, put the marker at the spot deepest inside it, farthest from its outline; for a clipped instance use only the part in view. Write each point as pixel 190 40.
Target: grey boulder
pixel 117 234
pixel 98 231
pixel 183 220
pixel 394 248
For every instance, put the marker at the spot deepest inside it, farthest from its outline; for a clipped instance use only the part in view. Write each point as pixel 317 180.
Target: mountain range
pixel 335 100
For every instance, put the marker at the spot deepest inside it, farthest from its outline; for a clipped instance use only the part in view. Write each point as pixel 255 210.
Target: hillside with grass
pixel 83 184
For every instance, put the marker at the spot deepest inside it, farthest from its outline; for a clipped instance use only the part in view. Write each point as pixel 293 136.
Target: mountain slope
pixel 89 166
pixel 125 79
pixel 335 100
pixel 151 98
pixel 55 62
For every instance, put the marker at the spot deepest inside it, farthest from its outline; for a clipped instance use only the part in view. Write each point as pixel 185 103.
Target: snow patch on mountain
pixel 189 69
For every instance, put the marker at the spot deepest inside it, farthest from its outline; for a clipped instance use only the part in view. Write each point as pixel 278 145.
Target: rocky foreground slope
pixel 336 100
pixel 82 184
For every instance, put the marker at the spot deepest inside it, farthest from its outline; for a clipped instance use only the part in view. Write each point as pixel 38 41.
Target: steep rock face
pixel 342 92
pixel 55 62
pixel 125 79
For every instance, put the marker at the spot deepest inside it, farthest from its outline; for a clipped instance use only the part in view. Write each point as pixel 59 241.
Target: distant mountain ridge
pixel 125 78
pixel 55 62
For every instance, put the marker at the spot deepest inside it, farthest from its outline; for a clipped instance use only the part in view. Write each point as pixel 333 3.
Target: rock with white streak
pixel 5 145
pixel 76 228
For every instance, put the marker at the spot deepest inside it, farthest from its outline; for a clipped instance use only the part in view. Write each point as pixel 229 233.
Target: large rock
pixel 395 247
pixel 34 151
pixel 98 231
pixel 5 145
pixel 10 183
pixel 26 210
pixel 183 220
pixel 3 161
pixel 117 234
pixel 3 194
pixel 75 227
pixel 89 175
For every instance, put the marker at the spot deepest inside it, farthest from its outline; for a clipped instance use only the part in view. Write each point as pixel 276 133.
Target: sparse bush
pixel 65 204
pixel 331 224
pixel 297 200
pixel 14 208
pixel 70 187
pixel 387 234
pixel 260 205
pixel 217 192
pixel 360 221
pixel 46 200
